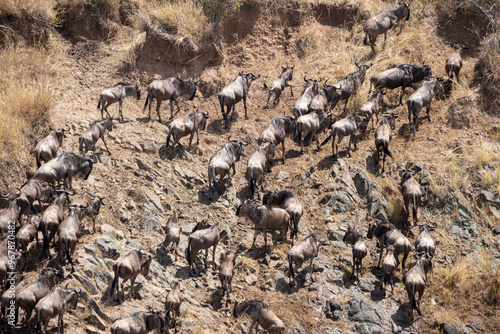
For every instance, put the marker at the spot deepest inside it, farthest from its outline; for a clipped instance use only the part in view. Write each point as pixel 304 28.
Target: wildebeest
pixel 46 149
pixel 14 283
pixel 389 265
pixel 424 243
pixel 372 107
pixel 346 127
pixel 96 131
pixel 359 249
pixel 27 233
pixel 173 303
pixel 52 217
pixel 259 163
pixel 383 136
pixel 169 89
pixel 350 84
pixel 265 218
pixel 11 261
pixel 64 167
pixel 68 233
pixel 313 123
pixel 140 323
pixel 172 233
pixel 305 250
pixel 412 192
pixel 235 92
pixel 91 204
pixel 55 304
pixel 280 84
pixel 286 200
pixel 387 234
pixel 416 279
pixel 403 76
pixel 226 273
pixel 277 131
pixel 261 315
pixel 203 236
pixel 185 126
pixel 29 295
pixel 30 191
pixel 454 61
pixel 329 94
pixel 222 162
pixel 385 20
pixel 10 213
pixel 117 93
pixel 422 97
pixel 129 267
pixel 301 106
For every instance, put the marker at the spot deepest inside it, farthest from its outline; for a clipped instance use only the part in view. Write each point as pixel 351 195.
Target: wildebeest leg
pixel 401 97
pixel 381 251
pixel 345 106
pixel 123 291
pixel 265 238
pixel 178 109
pixel 291 90
pixel 206 258
pixel 132 292
pixel 385 37
pixel 191 139
pixel 171 108
pixel 158 104
pixel 312 270
pixel 106 145
pixel 428 111
pixel 245 105
pixel 197 136
pixel 277 97
pixel 383 163
pixel 350 141
pixel 213 256
pixel 283 147
pixel 407 210
pixel 269 97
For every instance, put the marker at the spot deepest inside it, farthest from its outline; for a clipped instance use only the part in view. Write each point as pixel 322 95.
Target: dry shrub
pixel 25 99
pixel 487 75
pixel 19 8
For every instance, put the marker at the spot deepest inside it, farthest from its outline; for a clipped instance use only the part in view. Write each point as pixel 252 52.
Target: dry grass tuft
pixel 35 8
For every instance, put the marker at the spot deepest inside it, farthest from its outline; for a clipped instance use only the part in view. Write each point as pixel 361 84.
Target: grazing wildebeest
pixel 259 163
pixel 329 94
pixel 350 84
pixel 454 61
pixel 226 273
pixel 412 192
pixel 280 84
pixel 313 123
pixel 424 243
pixel 169 89
pixel 10 213
pixel 388 267
pixel 416 279
pixel 383 136
pixel 261 315
pixel 265 218
pixel 301 106
pixel 422 97
pixel 277 131
pixel 129 267
pixel 222 162
pixel 140 323
pixel 372 107
pixel 55 304
pixel 285 199
pixel 185 126
pixel 387 234
pixel 117 93
pixel 46 149
pixel 203 236
pixel 403 76
pixel 172 233
pixel 173 303
pixel 64 167
pixel 235 92
pixel 346 127
pixel 305 250
pixel 385 20
pixel 96 131
pixel 359 249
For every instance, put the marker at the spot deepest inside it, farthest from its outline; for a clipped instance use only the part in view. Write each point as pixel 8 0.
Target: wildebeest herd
pixel 40 204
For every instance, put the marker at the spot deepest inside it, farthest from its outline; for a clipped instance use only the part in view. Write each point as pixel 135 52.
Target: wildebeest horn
pixel 94 161
pixel 396 115
pixel 305 79
pixel 229 139
pixel 435 225
pixel 284 68
pixel 66 287
pixel 205 114
pixel 325 82
pixel 247 142
pixel 319 80
pixel 67 129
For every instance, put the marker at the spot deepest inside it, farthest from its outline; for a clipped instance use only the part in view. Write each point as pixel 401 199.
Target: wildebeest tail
pixel 385 146
pixel 172 248
pixel 251 182
pixel 148 99
pixel 68 255
pixel 99 104
pixel 414 207
pixel 188 251
pixel 80 148
pixel 290 264
pixel 224 285
pixel 38 321
pixel 168 137
pixel 365 41
pixel 115 280
pixel 265 85
pixel 221 101
pixel 38 159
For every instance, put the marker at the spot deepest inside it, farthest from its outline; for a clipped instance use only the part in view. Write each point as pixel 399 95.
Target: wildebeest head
pixel 86 166
pixel 238 147
pixel 426 69
pixel 191 88
pixel 289 124
pixel 137 91
pixel 145 262
pixel 203 122
pixel 458 47
pixel 287 72
pixel 313 84
pixel 407 174
pixel 407 5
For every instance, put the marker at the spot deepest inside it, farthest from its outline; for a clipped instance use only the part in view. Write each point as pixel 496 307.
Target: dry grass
pixel 25 99
pixel 36 8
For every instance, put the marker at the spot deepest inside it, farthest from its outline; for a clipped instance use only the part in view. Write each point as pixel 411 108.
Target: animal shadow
pixel 292 154
pixel 216 298
pixel 326 163
pixel 217 127
pixel 403 316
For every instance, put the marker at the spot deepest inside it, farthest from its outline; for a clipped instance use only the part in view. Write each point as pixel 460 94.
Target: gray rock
pixel 496 230
pixel 334 233
pixel 486 196
pixel 96 320
pixel 251 279
pixel 335 277
pixel 90 249
pixel 132 244
pixel 149 222
pixel 363 183
pixel 187 229
pixel 282 175
pixel 109 231
pixel 367 284
pixel 416 167
pixel 123 215
pixel 152 200
pixel 345 259
pixel 368 328
pixel 148 148
pixel 107 246
pixel 297 330
pixel 449 329
pixel 333 310
pixel 362 311
pixel 143 165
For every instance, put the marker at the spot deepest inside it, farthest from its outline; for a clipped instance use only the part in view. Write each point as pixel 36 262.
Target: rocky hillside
pixel 455 156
